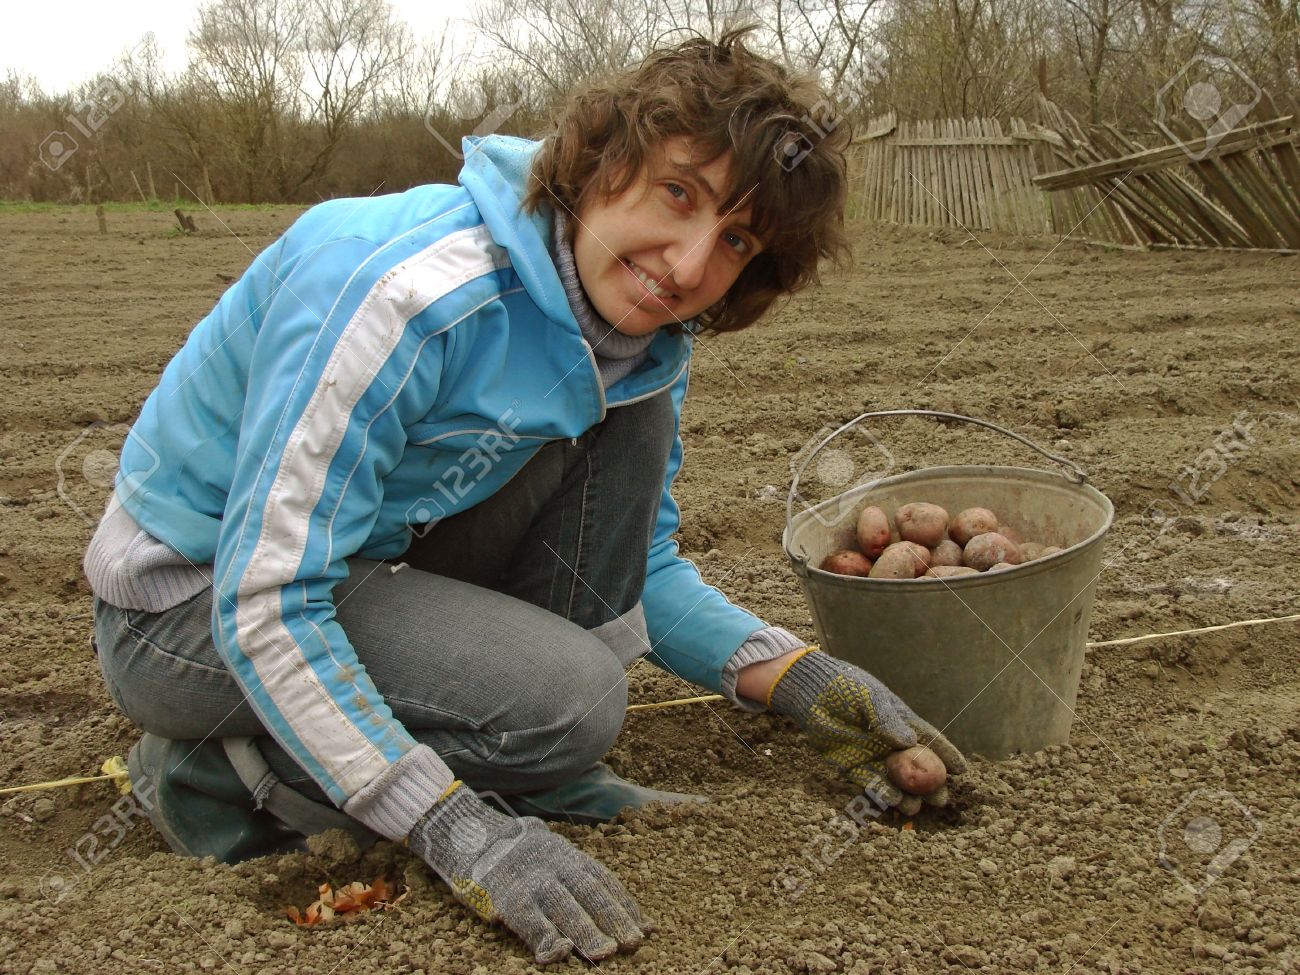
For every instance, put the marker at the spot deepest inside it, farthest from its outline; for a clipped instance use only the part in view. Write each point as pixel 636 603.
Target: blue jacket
pixel 326 403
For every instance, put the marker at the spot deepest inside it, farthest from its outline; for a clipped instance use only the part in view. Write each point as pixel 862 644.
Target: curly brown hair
pixel 786 147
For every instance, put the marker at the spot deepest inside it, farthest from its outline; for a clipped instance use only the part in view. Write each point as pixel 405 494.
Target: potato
pixel 946 552
pixel 896 562
pixel 1031 551
pixel 1050 550
pixel 987 550
pixel 873 532
pixel 950 571
pixel 916 770
pixel 1000 566
pixel 1006 531
pixel 920 554
pixel 923 523
pixel 846 562
pixel 972 522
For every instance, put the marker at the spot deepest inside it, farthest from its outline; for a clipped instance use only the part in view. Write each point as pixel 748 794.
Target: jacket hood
pixel 496 175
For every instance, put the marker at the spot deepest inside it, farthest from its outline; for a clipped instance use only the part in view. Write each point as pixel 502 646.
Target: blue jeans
pixel 503 645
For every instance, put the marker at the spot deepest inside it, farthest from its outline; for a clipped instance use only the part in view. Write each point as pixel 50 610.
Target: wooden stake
pixel 143 198
pixel 99 216
pixel 148 175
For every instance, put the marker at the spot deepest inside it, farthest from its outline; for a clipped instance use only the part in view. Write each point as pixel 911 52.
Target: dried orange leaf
pixel 350 900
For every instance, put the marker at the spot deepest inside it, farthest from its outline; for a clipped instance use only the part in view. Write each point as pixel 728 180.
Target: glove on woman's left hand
pixel 855 722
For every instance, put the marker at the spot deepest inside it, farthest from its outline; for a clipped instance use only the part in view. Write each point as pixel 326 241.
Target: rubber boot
pixel 596 796
pixel 199 804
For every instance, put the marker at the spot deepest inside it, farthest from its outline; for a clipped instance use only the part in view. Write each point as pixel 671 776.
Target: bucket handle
pixel 1074 471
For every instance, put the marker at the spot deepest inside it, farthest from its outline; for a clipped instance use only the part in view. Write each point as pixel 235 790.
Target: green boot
pixel 596 796
pixel 218 798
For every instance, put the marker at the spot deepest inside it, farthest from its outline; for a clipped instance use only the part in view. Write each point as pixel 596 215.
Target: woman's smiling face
pixel 660 252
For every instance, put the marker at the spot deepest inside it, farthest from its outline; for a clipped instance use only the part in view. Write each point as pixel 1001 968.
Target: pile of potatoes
pixel 921 541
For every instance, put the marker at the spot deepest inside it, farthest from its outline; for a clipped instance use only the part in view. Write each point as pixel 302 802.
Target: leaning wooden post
pixel 136 181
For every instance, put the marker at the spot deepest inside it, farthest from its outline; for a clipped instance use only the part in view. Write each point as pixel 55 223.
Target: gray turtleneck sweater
pixel 129 568
pixel 617 354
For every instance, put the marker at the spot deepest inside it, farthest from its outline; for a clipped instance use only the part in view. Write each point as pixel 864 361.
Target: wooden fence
pixel 966 173
pixel 1240 189
pixel 1237 189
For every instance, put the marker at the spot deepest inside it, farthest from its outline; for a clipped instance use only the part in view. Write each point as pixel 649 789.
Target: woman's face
pixel 665 226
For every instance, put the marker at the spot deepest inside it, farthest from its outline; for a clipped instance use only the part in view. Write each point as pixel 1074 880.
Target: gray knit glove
pixel 534 881
pixel 855 722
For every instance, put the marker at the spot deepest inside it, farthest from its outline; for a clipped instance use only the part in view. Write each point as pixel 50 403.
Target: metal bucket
pixel 993 660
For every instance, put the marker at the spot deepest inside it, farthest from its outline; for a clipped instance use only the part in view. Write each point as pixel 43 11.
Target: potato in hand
pixel 916 770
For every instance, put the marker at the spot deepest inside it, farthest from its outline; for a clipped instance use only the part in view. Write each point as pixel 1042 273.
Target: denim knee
pixel 580 713
pixel 595 712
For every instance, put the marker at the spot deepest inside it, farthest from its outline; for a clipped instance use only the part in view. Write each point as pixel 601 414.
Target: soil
pixel 1129 364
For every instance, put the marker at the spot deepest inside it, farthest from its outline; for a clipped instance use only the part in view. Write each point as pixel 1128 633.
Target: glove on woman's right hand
pixel 517 871
pixel 856 722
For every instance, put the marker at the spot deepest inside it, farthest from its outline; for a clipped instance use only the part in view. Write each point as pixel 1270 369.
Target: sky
pixel 89 36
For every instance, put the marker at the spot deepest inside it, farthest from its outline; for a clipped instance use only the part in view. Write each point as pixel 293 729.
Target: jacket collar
pixel 496 174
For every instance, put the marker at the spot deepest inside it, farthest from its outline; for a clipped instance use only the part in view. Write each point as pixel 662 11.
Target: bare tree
pixel 409 89
pixel 1266 36
pixel 549 46
pixel 248 60
pixel 350 47
pixel 957 58
pixel 292 78
pixel 829 37
pixel 1092 28
pixel 182 118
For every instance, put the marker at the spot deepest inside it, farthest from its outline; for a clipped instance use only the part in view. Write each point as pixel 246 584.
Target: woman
pixel 396 519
